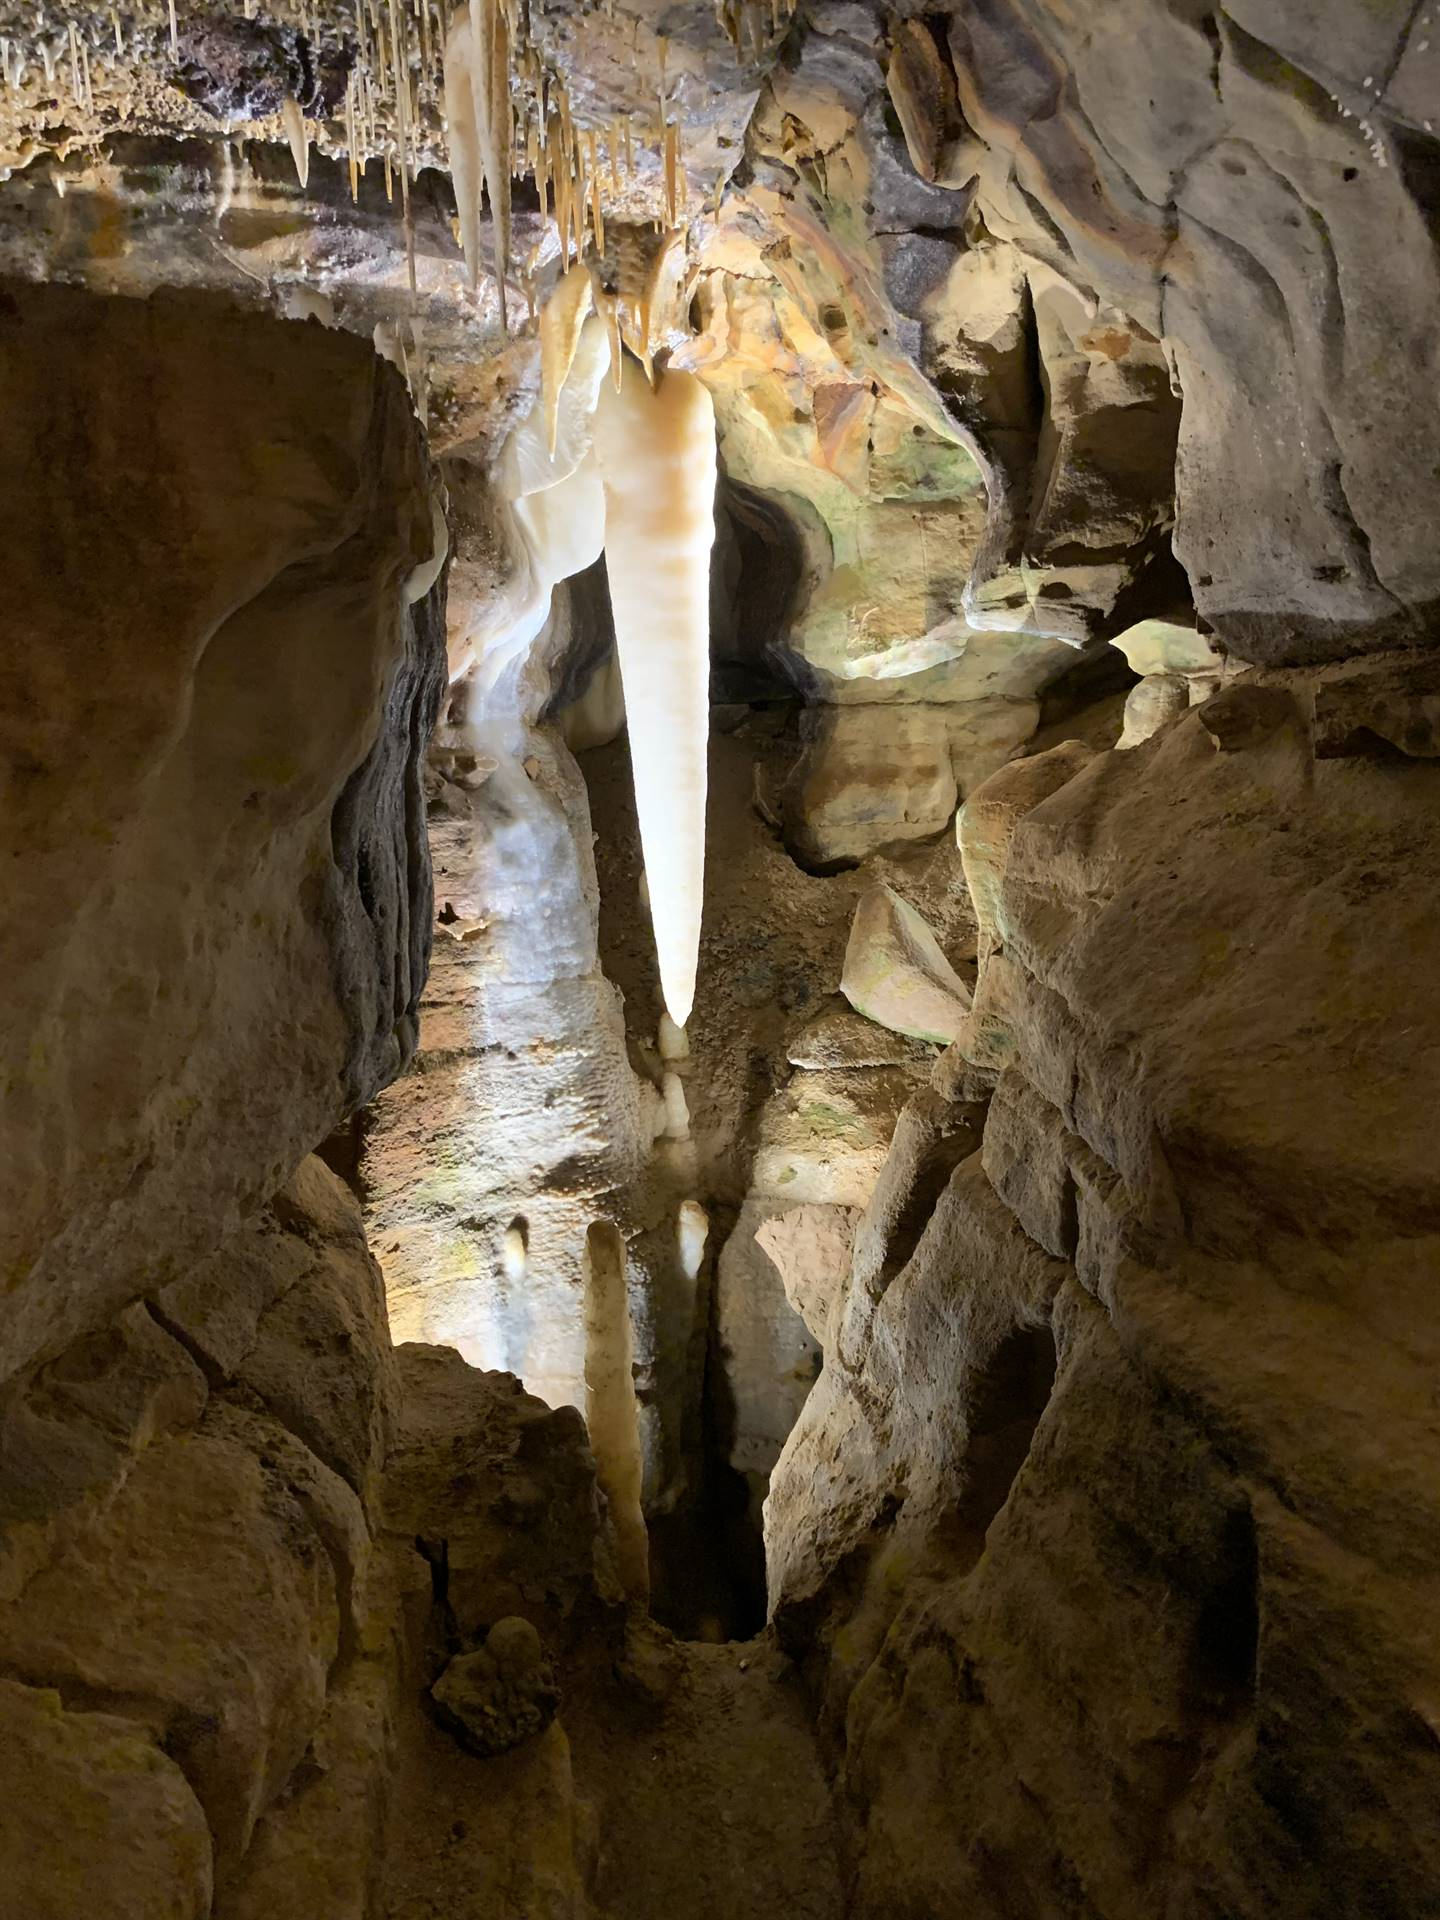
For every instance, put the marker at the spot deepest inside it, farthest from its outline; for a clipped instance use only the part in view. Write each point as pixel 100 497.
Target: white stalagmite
pixel 612 1411
pixel 656 448
pixel 515 1252
pixel 692 1230
pixel 673 1041
pixel 677 1107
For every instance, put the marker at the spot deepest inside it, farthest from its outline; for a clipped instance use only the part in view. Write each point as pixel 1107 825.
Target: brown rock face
pixel 213 699
pixel 1109 1529
pixel 176 1550
pixel 111 1828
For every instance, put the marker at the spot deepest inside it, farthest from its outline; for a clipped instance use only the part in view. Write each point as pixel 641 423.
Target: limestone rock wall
pixel 189 1501
pixel 1255 188
pixel 240 1535
pixel 1168 274
pixel 1107 1534
pixel 523 1120
pixel 222 657
pixel 214 696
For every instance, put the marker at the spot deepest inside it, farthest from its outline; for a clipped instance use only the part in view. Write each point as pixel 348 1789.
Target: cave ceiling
pixel 995 285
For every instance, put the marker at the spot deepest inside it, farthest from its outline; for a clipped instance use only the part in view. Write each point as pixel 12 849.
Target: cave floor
pixel 685 1782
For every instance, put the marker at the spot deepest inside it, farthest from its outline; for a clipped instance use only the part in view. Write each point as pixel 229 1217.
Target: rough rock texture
pixel 1155 1373
pixel 810 1249
pixel 1105 1542
pixel 872 777
pixel 500 1695
pixel 109 1825
pixel 498 1492
pixel 839 1037
pixel 1103 247
pixel 1259 195
pixel 213 700
pixel 966 355
pixel 522 1118
pixel 181 1565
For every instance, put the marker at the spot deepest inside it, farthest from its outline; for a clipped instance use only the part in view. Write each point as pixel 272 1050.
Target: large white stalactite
pixel 656 449
pixel 630 467
pixel 478 119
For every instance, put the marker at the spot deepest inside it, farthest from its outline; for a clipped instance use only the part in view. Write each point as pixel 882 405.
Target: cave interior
pixel 719 769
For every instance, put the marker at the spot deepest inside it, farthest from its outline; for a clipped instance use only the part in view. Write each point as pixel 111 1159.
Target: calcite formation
pixel 500 1695
pixel 656 448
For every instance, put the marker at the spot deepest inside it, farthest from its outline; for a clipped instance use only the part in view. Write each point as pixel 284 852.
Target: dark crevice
pixel 214 1375
pixel 1006 1403
pixel 1226 1641
pixel 1402 45
pixel 707 1558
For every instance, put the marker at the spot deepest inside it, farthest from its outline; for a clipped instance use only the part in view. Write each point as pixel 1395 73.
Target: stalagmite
pixel 692 1230
pixel 293 122
pixel 656 448
pixel 515 1251
pixel 677 1108
pixel 560 324
pixel 612 1412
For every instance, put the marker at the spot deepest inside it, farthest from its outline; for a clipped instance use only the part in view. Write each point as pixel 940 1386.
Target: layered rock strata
pixel 1153 1369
